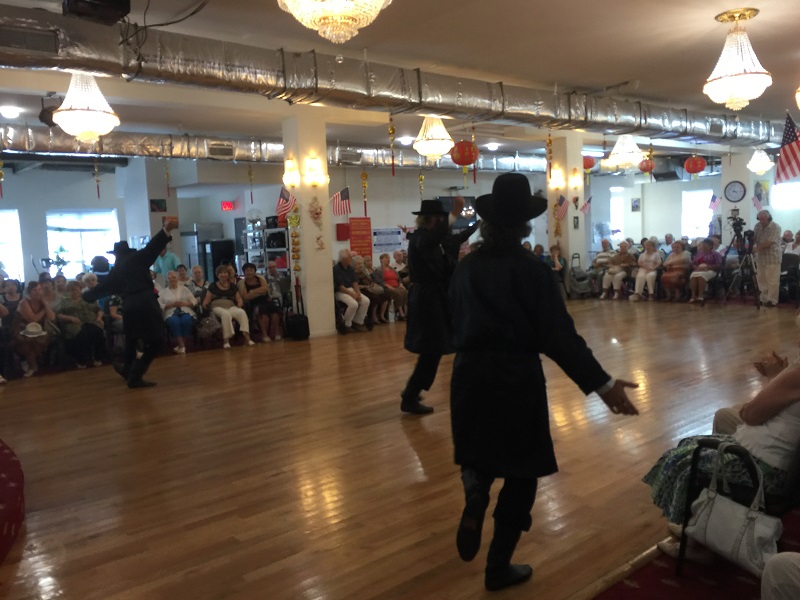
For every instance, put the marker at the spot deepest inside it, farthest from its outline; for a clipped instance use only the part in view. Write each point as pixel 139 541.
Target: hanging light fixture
pixel 626 154
pixel 433 140
pixel 760 163
pixel 738 77
pixel 85 113
pixel 335 20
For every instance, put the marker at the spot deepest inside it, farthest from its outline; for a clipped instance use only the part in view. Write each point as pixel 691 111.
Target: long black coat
pixel 130 279
pixel 507 311
pixel 431 260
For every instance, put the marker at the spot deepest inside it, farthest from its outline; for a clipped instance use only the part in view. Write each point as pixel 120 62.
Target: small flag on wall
pixel 757 203
pixel 286 202
pixel 714 204
pixel 341 202
pixel 587 206
pixel 563 207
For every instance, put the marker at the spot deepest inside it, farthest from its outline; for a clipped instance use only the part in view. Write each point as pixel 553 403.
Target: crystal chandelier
pixel 760 163
pixel 85 112
pixel 433 140
pixel 625 155
pixel 738 76
pixel 335 20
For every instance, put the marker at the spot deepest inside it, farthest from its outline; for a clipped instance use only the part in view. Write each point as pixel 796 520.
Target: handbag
pixel 208 326
pixel 744 535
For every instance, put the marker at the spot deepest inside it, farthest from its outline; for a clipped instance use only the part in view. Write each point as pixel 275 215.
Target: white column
pixel 568 161
pixel 303 138
pixel 734 168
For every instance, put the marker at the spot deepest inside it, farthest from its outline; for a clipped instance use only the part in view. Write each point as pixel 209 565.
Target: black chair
pixel 790 276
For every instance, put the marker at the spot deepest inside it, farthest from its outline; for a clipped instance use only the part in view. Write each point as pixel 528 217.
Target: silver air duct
pixel 32 39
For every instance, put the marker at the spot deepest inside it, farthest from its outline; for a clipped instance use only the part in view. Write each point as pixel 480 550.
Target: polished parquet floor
pixel 287 471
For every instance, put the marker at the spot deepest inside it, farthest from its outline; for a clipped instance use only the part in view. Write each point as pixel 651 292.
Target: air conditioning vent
pixel 29 40
pixel 220 150
pixel 666 176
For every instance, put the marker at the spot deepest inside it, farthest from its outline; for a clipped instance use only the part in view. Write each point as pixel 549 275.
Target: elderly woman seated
pixel 649 262
pixel 676 271
pixel 378 298
pixel 33 328
pixel 390 281
pixel 706 264
pixel 258 304
pixel 225 302
pixel 81 324
pixel 619 268
pixel 198 284
pixel 768 428
pixel 177 304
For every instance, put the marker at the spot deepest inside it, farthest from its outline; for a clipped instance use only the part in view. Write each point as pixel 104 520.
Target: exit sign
pixel 227 205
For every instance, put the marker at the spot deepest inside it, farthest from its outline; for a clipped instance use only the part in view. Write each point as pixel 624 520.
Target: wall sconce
pixel 556 178
pixel 314 172
pixel 291 174
pixel 576 179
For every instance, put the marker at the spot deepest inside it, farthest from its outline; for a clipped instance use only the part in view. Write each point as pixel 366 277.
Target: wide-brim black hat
pixel 120 249
pixel 510 202
pixel 430 207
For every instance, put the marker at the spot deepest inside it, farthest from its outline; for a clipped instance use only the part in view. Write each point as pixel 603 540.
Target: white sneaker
pixel 251 342
pixel 3 380
pixel 81 366
pixel 278 338
pixel 616 296
pixel 265 340
pixel 603 296
pixel 634 298
pixel 226 346
pixel 98 363
pixel 179 350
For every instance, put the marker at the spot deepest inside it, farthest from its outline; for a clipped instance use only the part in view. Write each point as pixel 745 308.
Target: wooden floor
pixel 287 471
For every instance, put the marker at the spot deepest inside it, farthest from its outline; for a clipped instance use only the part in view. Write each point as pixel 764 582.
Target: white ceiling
pixel 664 51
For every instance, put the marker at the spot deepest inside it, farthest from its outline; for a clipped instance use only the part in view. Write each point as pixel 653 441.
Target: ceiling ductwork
pixel 312 78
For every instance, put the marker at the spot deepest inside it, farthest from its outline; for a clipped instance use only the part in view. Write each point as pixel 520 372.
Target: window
pixel 77 237
pixel 696 216
pixel 785 196
pixel 11 245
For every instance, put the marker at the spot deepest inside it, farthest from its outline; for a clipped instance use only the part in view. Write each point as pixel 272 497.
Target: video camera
pixel 737 223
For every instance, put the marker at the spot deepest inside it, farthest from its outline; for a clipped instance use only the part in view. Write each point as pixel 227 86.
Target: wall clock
pixel 735 191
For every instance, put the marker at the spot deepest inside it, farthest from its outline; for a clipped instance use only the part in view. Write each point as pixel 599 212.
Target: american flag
pixel 788 166
pixel 286 202
pixel 563 207
pixel 587 206
pixel 341 202
pixel 757 204
pixel 714 204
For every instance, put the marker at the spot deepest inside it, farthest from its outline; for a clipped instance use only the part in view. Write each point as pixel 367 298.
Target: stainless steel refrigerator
pixel 192 243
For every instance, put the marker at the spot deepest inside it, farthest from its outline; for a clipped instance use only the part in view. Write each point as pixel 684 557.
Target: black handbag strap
pixel 298 291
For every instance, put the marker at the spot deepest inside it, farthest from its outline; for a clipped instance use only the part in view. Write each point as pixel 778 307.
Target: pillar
pixel 734 168
pixel 567 179
pixel 304 138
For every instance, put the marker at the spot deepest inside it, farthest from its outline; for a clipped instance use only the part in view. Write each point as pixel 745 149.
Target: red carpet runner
pixel 720 581
pixel 12 499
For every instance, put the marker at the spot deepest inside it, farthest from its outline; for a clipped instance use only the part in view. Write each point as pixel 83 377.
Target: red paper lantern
pixel 588 163
pixel 694 164
pixel 464 153
pixel 648 165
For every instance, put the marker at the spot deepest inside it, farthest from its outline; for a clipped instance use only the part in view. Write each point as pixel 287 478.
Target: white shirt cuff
pixel 607 387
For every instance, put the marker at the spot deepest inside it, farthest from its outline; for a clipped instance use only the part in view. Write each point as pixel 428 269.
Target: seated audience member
pixel 79 278
pixel 633 248
pixel 676 271
pixel 401 267
pixel 387 277
pixel 258 304
pixel 666 247
pixel 619 268
pixel 378 298
pixel 60 285
pixel 538 250
pixel 716 244
pixel 10 296
pixel 198 285
pixel 167 261
pixel 781 577
pixel 794 246
pixel 45 276
pixel 600 264
pixel 114 304
pixel 649 262
pixel 177 304
pixel 275 283
pixel 770 431
pixel 225 302
pixel 706 264
pixel 556 262
pixel 346 290
pixel 32 328
pixel 49 293
pixel 787 238
pixel 81 324
pixel 234 277
pixel 183 275
pixel 527 246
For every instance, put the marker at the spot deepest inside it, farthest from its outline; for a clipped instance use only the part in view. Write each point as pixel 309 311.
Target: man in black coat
pixel 507 310
pixel 143 323
pixel 432 256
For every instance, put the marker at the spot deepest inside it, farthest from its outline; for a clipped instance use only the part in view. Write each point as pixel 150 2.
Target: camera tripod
pixel 746 264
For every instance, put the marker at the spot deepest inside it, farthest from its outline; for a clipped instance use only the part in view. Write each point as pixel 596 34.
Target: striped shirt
pixel 763 235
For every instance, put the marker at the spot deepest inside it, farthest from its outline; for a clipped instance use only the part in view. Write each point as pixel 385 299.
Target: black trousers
pixel 423 376
pixel 514 504
pixel 144 332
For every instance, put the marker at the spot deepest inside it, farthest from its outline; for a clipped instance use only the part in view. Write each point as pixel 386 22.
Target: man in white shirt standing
pixel 768 257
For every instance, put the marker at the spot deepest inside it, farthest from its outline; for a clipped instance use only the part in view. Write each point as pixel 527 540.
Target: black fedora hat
pixel 121 248
pixel 510 202
pixel 430 207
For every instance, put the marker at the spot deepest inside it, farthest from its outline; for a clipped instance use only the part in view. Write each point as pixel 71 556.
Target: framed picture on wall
pixel 158 205
pixel 761 191
pixel 636 204
pixel 576 222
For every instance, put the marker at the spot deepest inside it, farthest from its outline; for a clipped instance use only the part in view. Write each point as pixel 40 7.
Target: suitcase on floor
pixel 579 282
pixel 295 325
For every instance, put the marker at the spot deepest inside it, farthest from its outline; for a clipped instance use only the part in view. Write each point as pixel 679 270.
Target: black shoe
pixel 468 537
pixel 141 383
pixel 415 407
pixel 121 371
pixel 360 327
pixel 498 579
